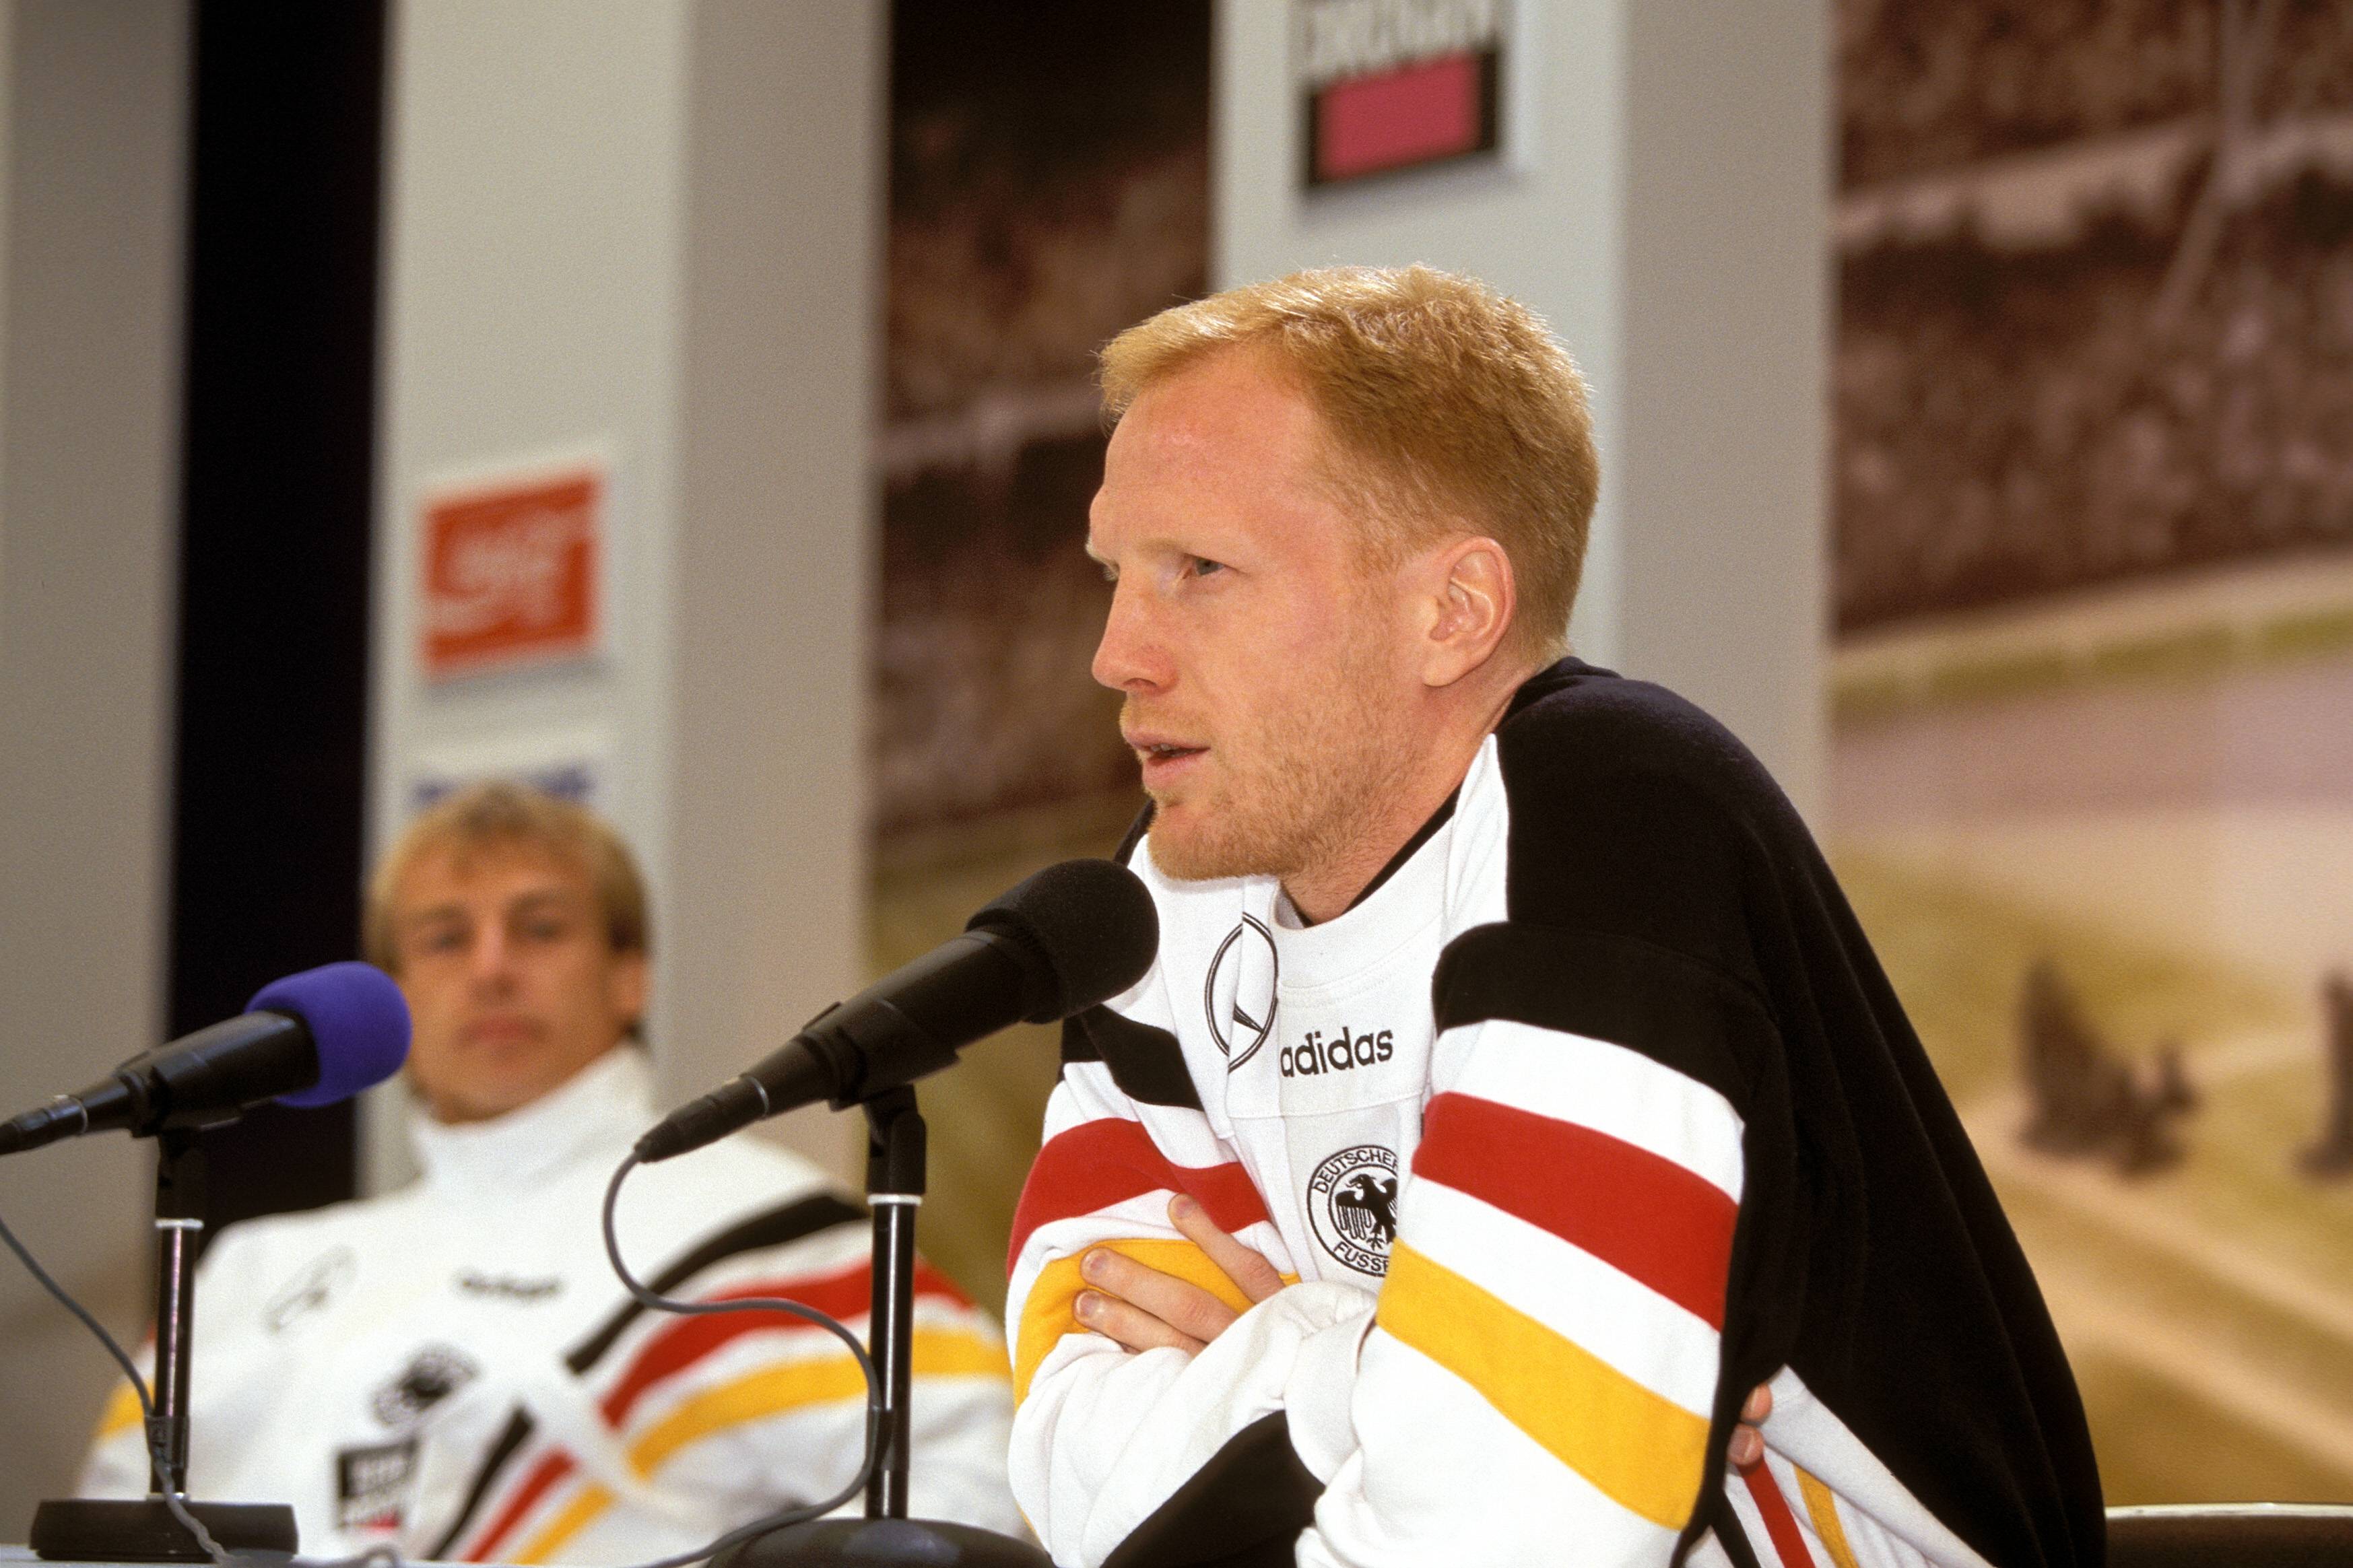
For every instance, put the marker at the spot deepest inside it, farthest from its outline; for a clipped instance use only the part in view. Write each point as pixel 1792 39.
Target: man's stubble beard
pixel 1305 785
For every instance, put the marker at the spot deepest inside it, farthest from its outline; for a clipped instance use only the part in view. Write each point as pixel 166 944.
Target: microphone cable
pixel 659 1303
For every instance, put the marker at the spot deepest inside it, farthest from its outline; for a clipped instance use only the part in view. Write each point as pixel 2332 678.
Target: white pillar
pixel 1661 199
pixel 93 120
pixel 773 578
pixel 649 231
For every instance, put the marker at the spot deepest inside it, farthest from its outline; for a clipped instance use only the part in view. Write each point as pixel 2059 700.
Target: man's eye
pixel 1202 566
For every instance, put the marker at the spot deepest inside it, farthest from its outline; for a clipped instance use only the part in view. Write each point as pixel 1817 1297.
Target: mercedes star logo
pixel 1240 992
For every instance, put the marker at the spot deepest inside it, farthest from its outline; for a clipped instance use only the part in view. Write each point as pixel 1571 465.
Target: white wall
pixel 92 118
pixel 772 577
pixel 1662 201
pixel 1723 446
pixel 650 230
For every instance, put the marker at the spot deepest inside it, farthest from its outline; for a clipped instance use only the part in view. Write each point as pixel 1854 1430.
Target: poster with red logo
pixel 513 571
pixel 1391 85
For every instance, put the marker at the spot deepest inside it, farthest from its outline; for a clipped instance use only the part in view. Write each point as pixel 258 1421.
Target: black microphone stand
pixel 143 1530
pixel 894 1191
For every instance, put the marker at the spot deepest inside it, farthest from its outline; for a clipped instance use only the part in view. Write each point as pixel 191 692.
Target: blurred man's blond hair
pixel 497 816
pixel 1451 410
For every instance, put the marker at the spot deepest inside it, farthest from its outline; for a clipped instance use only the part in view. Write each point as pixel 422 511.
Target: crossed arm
pixel 1142 1309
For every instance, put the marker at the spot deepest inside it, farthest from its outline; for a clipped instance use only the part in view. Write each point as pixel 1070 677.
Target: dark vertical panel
pixel 1031 146
pixel 281 413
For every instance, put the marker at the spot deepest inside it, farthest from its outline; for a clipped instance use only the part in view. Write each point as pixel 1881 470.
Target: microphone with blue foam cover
pixel 310 1039
pixel 358 1022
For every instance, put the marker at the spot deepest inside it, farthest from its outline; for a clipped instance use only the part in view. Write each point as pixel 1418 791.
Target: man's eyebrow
pixel 547 896
pixel 1150 545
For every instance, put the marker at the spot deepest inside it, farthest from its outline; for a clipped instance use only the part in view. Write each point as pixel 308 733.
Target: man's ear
pixel 626 986
pixel 1470 602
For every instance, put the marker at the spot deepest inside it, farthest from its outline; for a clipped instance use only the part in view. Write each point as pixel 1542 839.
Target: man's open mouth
pixel 1161 752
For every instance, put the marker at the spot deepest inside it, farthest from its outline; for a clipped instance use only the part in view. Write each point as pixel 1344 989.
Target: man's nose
pixel 491 955
pixel 1130 656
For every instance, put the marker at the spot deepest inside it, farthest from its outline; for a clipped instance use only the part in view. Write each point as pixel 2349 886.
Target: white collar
pixel 601 1108
pixel 1367 935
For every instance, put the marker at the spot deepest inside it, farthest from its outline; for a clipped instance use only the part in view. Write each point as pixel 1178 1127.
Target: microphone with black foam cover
pixel 1074 935
pixel 310 1039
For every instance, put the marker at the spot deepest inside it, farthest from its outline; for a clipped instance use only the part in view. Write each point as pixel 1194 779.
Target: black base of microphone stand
pixel 886 1536
pixel 880 1543
pixel 142 1529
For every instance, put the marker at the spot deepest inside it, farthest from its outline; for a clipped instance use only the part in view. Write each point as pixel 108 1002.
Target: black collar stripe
pixel 1421 836
pixel 1135 832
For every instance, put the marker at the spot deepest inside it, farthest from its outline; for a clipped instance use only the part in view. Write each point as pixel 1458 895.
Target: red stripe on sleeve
pixel 1110 1160
pixel 1779 1522
pixel 845 1294
pixel 546 1474
pixel 1642 1214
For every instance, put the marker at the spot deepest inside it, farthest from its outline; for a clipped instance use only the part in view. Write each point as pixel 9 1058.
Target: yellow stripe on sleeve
pixel 1821 1506
pixel 1637 1447
pixel 772 1391
pixel 586 1505
pixel 1049 1312
pixel 936 1352
pixel 121 1411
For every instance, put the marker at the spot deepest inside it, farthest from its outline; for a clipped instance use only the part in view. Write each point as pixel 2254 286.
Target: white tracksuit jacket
pixel 1590 1115
pixel 452 1369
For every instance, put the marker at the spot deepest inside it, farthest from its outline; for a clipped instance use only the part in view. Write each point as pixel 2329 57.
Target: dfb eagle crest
pixel 1352 1207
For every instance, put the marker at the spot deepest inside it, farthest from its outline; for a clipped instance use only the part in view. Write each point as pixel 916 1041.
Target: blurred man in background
pixel 452 1370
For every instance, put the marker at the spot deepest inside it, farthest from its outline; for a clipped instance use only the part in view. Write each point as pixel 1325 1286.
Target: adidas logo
pixel 1341 1053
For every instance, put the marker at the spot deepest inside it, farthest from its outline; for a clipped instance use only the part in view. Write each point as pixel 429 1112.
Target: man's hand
pixel 1746 1448
pixel 1143 1308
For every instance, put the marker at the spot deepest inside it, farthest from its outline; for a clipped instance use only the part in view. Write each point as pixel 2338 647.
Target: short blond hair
pixel 1457 406
pixel 499 815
